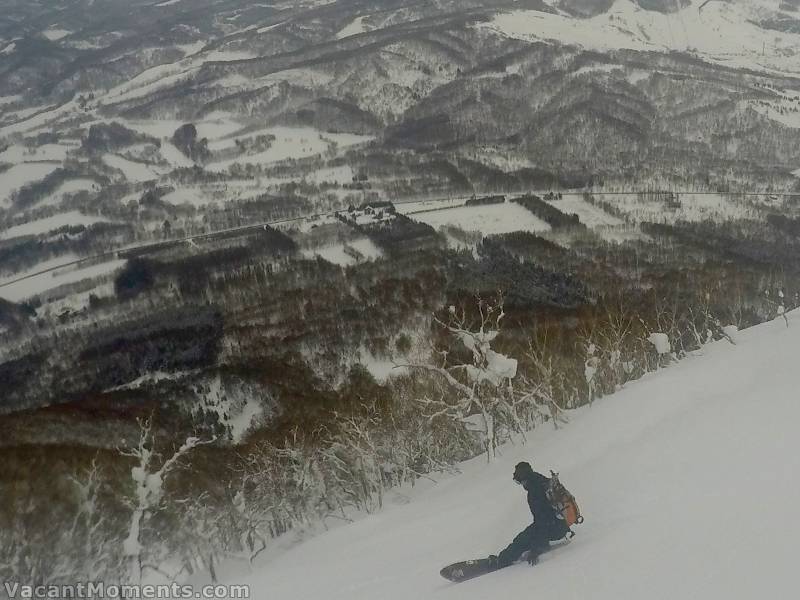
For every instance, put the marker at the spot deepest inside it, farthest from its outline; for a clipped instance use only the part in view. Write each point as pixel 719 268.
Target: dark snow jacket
pixel 543 512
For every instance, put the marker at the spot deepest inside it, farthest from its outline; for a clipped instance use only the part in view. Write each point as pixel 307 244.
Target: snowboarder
pixel 546 526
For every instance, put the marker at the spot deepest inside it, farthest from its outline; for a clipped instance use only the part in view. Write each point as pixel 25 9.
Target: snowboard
pixel 464 570
pixel 469 569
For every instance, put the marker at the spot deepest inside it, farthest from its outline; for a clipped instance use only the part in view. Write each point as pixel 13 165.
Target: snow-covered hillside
pixel 687 479
pixel 731 33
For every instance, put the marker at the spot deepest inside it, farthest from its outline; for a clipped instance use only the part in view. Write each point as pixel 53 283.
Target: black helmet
pixel 522 472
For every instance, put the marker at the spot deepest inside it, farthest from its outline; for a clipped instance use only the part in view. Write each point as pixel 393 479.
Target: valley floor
pixel 687 479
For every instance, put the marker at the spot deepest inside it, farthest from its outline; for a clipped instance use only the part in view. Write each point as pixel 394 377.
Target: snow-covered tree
pixel 478 394
pixel 776 304
pixel 148 490
pixel 91 529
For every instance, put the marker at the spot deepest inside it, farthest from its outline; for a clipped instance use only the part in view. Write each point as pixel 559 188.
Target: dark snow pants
pixel 534 539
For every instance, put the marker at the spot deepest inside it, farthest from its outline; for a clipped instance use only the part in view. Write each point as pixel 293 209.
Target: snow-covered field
pixel 488 219
pixel 157 128
pixel 16 154
pixel 72 217
pixel 344 255
pixel 16 292
pixel 339 175
pixel 41 266
pixel 134 171
pixel 591 216
pixel 785 113
pixel 213 127
pixel 693 207
pixel 293 142
pixel 150 81
pixel 407 208
pixel 195 195
pixel 21 175
pixel 54 34
pixel 174 156
pixel 687 480
pixel 698 207
pixel 69 187
pixel 354 28
pixel 214 193
pixel 38 120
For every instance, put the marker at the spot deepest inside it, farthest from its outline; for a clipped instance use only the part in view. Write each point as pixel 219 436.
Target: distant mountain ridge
pixel 691 86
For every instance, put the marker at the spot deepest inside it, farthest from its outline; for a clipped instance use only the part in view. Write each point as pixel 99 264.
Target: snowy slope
pixel 688 481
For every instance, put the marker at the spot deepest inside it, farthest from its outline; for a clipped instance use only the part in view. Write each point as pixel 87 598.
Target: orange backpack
pixel 563 502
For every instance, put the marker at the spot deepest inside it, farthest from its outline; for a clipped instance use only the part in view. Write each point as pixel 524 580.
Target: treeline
pixel 485 201
pixel 742 242
pixel 525 283
pixel 20 254
pixel 167 340
pixel 110 137
pixel 401 234
pixel 28 195
pixel 191 273
pixel 549 213
pixel 788 225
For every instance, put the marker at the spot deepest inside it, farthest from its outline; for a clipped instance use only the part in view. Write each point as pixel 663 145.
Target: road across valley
pixel 131 251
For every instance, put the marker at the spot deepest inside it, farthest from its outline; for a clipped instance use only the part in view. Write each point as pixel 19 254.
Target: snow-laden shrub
pixel 479 393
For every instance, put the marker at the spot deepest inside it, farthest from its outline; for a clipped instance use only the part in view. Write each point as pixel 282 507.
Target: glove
pixel 534 552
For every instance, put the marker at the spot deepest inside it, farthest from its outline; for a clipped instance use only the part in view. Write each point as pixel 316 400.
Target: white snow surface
pixel 54 34
pixel 693 207
pixel 682 478
pixel 39 284
pixel 293 142
pixel 21 175
pixel 174 156
pixel 133 171
pixel 488 219
pixel 354 28
pixel 591 216
pixel 661 342
pixel 16 154
pixel 346 254
pixel 73 217
pixel 69 187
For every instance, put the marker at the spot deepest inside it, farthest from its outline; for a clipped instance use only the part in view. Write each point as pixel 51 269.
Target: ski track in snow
pixel 681 477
